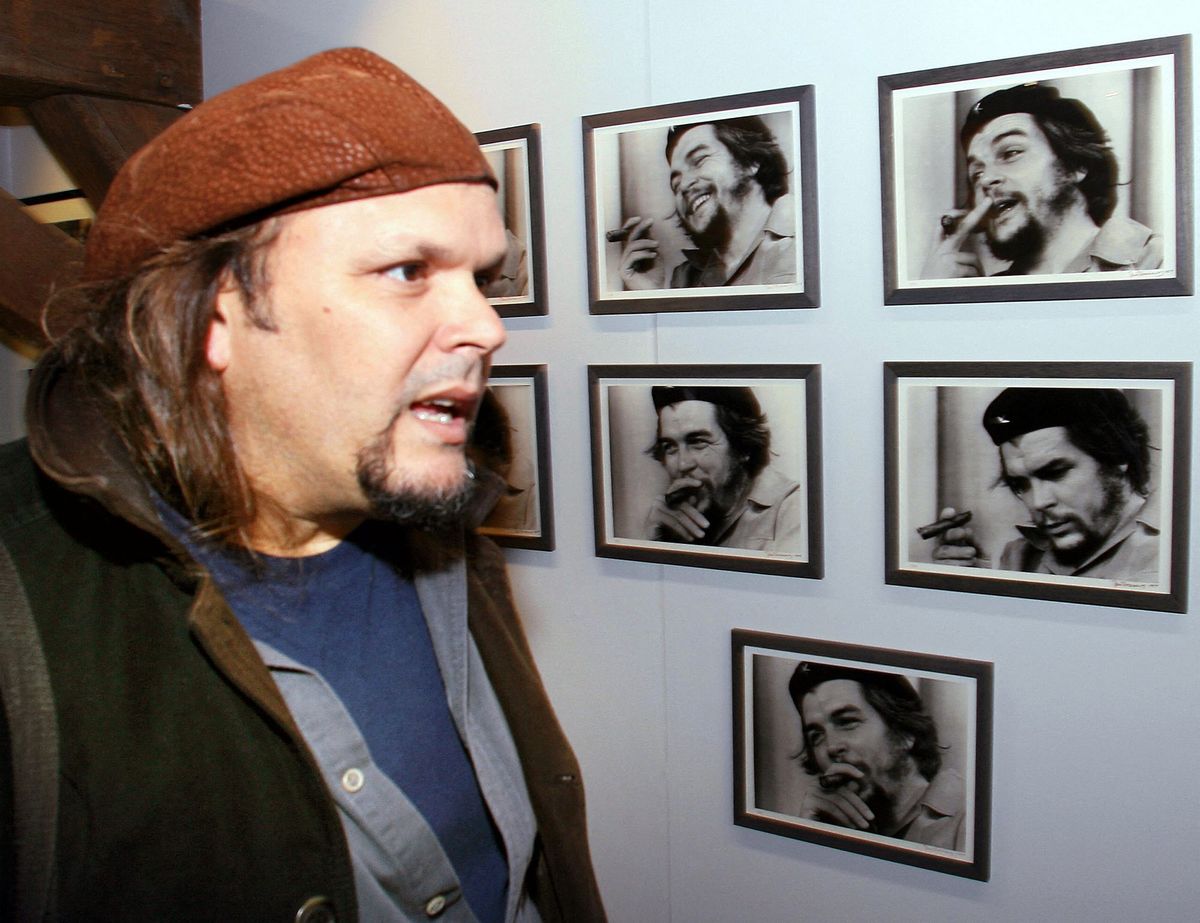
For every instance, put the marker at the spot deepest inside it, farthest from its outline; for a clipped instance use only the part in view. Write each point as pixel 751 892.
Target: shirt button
pixel 316 910
pixel 435 905
pixel 353 780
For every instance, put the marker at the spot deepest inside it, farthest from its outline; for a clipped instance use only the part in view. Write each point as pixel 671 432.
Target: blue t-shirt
pixel 350 615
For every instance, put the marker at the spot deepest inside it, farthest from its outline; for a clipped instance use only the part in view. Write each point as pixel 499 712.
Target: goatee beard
pixel 1028 242
pixel 715 235
pixel 719 231
pixel 723 502
pixel 440 511
pixel 1022 247
pixel 1115 497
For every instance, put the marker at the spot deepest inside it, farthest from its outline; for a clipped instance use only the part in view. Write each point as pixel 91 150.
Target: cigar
pixel 679 495
pixel 938 526
pixel 832 780
pixel 616 235
pixel 950 223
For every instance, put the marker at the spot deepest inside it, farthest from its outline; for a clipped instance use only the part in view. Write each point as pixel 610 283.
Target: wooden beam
pixel 92 137
pixel 146 50
pixel 38 259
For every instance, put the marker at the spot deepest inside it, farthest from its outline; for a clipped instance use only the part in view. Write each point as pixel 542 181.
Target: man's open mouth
pixel 1001 207
pixel 697 202
pixel 441 410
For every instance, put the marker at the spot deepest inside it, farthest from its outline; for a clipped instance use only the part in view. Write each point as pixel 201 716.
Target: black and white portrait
pixel 1061 174
pixel 510 439
pixel 1051 481
pixel 701 204
pixel 721 466
pixel 879 757
pixel 514 156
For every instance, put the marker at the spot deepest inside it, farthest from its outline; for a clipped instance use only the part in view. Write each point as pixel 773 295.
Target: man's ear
pixel 227 307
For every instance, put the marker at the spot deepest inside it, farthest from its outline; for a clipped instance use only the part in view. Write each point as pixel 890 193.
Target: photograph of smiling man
pixel 689 201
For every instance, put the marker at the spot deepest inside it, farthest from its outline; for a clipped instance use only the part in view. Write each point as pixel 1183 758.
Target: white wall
pixel 26 168
pixel 1095 815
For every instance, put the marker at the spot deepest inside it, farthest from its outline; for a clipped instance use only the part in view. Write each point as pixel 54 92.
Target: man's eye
pixel 814 738
pixel 1057 473
pixel 667 448
pixel 1017 487
pixel 1011 153
pixel 407 272
pixel 483 280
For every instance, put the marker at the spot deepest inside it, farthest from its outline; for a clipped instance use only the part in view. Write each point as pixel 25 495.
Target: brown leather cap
pixel 341 125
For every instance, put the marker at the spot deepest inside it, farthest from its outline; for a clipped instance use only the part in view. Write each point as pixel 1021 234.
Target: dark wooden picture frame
pixel 516 158
pixel 771 465
pixel 1137 93
pixel 513 432
pixel 782 768
pixel 1090 536
pixel 627 176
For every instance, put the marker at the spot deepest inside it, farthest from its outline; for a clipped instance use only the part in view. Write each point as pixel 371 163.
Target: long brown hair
pixel 141 350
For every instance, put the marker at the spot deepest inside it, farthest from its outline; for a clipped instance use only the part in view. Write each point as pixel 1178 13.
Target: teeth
pixel 423 413
pixel 439 410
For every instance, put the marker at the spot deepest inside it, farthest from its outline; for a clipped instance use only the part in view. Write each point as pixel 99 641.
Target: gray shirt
pixel 401 871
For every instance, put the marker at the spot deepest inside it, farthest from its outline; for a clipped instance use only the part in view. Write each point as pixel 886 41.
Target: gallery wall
pixel 1097 709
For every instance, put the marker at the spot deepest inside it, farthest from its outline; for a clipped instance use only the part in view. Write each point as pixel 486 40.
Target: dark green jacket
pixel 185 790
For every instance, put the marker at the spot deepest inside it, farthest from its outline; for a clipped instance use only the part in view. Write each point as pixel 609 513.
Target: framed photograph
pixel 512 437
pixel 1051 176
pixel 1055 480
pixel 880 752
pixel 709 466
pixel 516 158
pixel 709 205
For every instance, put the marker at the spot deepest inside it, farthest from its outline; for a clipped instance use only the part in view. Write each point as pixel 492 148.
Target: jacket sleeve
pixel 28 757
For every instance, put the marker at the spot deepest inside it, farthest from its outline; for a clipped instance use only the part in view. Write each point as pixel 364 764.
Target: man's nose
pixel 989 177
pixel 1041 495
pixel 470 321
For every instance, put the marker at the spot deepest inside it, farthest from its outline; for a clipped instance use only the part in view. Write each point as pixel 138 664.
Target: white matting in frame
pixel 943 712
pixel 778 527
pixel 515 157
pixel 628 176
pixel 516 431
pixel 1139 95
pixel 940 457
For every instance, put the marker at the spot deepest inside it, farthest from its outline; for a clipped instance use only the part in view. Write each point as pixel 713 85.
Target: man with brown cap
pixel 1042 188
pixel 1078 459
pixel 259 664
pixel 715 446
